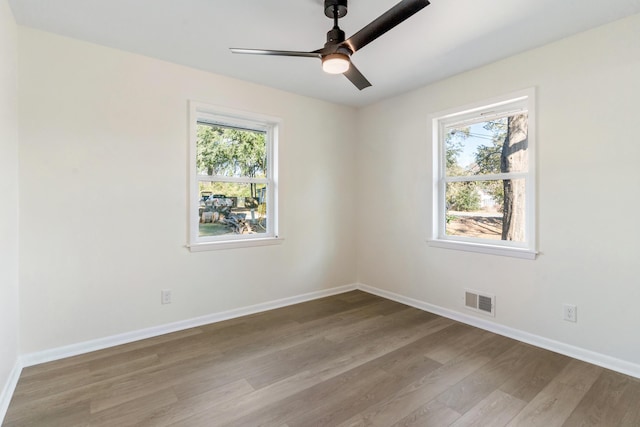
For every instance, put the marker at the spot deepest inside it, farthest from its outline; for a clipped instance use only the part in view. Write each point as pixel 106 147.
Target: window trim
pixel 203 112
pixel 472 113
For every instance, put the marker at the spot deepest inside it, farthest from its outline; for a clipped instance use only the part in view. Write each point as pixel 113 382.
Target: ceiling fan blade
pixel 276 52
pixel 355 76
pixel 392 17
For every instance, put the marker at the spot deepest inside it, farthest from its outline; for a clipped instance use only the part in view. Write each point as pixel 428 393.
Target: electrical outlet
pixel 165 296
pixel 570 313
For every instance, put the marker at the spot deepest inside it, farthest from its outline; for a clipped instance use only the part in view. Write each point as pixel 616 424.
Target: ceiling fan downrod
pixel 335 9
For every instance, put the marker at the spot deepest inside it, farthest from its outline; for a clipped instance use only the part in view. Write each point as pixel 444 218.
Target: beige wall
pixel 103 187
pixel 588 94
pixel 103 176
pixel 9 192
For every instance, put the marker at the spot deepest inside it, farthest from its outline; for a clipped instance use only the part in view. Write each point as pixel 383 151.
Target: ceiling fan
pixel 336 53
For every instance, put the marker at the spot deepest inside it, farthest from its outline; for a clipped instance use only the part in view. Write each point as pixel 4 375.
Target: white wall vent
pixel 480 302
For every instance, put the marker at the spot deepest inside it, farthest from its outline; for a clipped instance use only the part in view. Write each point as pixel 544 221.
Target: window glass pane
pixel 490 147
pixel 232 208
pixel 228 151
pixel 486 209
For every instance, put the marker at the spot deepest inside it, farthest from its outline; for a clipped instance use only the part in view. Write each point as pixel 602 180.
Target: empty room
pixel 319 213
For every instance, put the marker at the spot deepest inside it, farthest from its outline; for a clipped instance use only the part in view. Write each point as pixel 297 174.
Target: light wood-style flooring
pixel 348 360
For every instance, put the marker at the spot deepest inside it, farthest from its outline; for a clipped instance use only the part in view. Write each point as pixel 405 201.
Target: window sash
pixel 442 225
pixel 270 216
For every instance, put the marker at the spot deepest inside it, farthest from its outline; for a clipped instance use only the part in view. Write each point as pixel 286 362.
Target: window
pixel 484 182
pixel 233 158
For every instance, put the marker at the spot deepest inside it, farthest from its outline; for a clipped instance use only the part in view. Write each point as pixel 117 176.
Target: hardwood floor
pixel 349 360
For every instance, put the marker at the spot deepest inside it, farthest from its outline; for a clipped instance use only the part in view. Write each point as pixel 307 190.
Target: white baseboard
pixel 9 388
pixel 599 359
pixel 127 337
pixel 579 353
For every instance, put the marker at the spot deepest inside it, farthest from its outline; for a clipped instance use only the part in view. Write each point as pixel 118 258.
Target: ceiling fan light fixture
pixel 335 63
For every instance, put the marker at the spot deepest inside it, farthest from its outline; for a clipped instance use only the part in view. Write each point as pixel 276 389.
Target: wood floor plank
pixel 353 359
pixel 205 403
pixel 262 342
pixel 632 415
pixel 68 415
pixel 453 341
pixel 280 364
pixel 553 405
pixel 495 410
pixel 410 361
pixel 398 405
pixel 313 310
pixel 131 412
pixel 403 364
pixel 354 397
pixel 98 372
pixel 541 368
pixel 433 413
pixel 75 361
pixel 138 384
pixel 607 402
pixel 325 402
pixel 378 325
pixel 467 393
pixel 357 296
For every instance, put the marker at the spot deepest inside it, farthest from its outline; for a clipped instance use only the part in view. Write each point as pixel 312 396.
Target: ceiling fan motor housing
pixel 328 8
pixel 335 36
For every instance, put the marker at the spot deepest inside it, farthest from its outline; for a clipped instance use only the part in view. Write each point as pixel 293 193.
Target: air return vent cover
pixel 480 302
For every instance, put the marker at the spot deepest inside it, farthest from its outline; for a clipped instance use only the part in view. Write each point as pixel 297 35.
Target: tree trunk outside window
pixel 514 159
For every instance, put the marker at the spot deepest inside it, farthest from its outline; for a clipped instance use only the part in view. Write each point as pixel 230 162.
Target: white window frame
pixel 474 113
pixel 202 112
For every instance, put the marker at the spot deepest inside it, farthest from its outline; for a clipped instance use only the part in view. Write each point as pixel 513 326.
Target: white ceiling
pixel 445 38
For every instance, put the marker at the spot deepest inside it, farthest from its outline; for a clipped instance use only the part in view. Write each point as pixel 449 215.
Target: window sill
pixel 244 243
pixel 484 248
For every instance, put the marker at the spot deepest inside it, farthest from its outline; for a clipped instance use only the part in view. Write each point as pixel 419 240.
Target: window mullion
pixel 491 177
pixel 233 179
